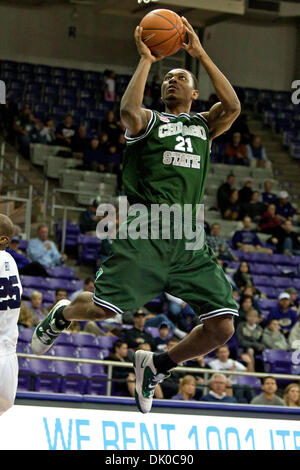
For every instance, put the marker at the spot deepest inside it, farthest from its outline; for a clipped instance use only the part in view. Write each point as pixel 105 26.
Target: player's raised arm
pixel 134 117
pixel 222 114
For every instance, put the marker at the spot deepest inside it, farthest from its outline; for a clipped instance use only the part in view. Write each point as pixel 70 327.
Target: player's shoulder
pixel 201 117
pixel 7 262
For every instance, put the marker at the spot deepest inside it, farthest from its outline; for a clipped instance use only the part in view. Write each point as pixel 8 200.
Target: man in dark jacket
pixel 137 335
pixel 88 219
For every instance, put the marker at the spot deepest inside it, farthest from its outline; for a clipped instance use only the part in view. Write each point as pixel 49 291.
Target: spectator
pixel 187 388
pixel 220 244
pixel 247 239
pixel 255 207
pixel 284 208
pixel 170 384
pixel 79 141
pixel 47 133
pixel 224 192
pixel 242 277
pixel 43 250
pixel 240 125
pixel 267 196
pixel 94 158
pixel 282 312
pixel 232 209
pixel 224 362
pixel 88 286
pixel 65 132
pixel 256 153
pixel 246 304
pixel 59 295
pixel 269 220
pixel 294 335
pixel 272 337
pixel 294 304
pixel 245 192
pixel 123 378
pixel 268 396
pixel 291 395
pixel 250 333
pixel 161 340
pixel 286 240
pixel 36 309
pixel 25 319
pixel 236 152
pixel 25 267
pixel 137 334
pixel 110 126
pixel 27 128
pixel 110 87
pixel 88 220
pixel 218 385
pixel 113 159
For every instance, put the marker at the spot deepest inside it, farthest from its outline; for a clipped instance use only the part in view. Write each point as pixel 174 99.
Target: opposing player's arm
pixel 134 116
pixel 222 114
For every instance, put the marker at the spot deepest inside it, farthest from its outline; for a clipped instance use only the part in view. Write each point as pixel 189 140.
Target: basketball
pixel 163 32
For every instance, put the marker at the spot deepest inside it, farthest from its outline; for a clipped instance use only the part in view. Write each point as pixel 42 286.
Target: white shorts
pixel 8 381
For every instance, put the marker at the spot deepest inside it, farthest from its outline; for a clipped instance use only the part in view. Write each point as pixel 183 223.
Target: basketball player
pixel 10 301
pixel 166 161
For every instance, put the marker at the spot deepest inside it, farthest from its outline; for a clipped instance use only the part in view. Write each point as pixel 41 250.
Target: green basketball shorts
pixel 139 270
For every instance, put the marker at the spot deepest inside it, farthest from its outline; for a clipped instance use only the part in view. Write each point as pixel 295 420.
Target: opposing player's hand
pixel 144 50
pixel 194 46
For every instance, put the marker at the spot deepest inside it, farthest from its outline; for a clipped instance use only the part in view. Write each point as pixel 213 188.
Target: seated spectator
pixel 282 312
pixel 171 383
pixel 187 388
pixel 250 333
pixel 59 295
pixel 220 244
pixel 88 286
pixel 254 208
pixel 37 311
pixel 224 192
pixel 256 153
pixel 246 304
pixel 218 385
pixel 47 133
pixel 110 126
pixel 269 220
pixel 79 141
pixel 294 335
pixel 224 362
pixel 25 319
pixel 246 191
pixel 101 329
pixel 123 378
pixel 181 315
pixel 94 158
pixel 65 132
pixel 293 293
pixel 113 159
pixel 43 250
pixel 27 128
pixel 247 239
pixel 137 335
pixel 284 208
pixel 242 277
pixel 267 196
pixel 236 152
pixel 291 395
pixel 25 267
pixel 286 240
pixel 255 294
pixel 88 220
pixel 162 339
pixel 232 209
pixel 268 395
pixel 272 337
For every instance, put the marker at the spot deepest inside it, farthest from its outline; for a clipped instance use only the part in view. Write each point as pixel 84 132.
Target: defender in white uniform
pixel 10 301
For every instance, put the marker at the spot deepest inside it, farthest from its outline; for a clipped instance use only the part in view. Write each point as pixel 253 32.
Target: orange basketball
pixel 163 32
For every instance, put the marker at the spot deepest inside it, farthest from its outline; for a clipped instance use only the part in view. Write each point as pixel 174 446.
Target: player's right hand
pixel 144 50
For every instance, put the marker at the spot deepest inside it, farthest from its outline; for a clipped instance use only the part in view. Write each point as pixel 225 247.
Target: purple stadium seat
pixel 72 285
pixel 25 375
pixel 23 245
pixel 97 379
pixel 25 334
pixel 72 378
pixel 46 377
pixel 64 338
pixel 89 352
pixel 153 331
pixel 88 249
pixel 267 304
pixel 84 339
pixel 106 342
pixel 23 348
pixel 63 350
pixel 56 283
pixel 262 281
pixel 270 292
pixel 282 282
pixel 277 361
pixel 252 382
pixel 62 272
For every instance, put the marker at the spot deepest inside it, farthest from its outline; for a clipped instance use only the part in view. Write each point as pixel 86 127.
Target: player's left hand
pixel 194 46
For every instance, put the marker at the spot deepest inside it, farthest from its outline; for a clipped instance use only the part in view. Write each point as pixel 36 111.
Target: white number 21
pixel 184 144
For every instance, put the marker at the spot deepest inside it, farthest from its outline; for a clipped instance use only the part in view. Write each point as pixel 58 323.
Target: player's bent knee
pixel 97 313
pixel 221 328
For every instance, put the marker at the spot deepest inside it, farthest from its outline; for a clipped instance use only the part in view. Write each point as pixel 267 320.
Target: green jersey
pixel 169 163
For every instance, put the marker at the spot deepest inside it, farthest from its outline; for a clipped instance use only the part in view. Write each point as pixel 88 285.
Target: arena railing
pixel 188 370
pixel 28 202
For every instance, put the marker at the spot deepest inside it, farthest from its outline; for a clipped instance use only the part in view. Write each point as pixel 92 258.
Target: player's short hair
pixel 195 81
